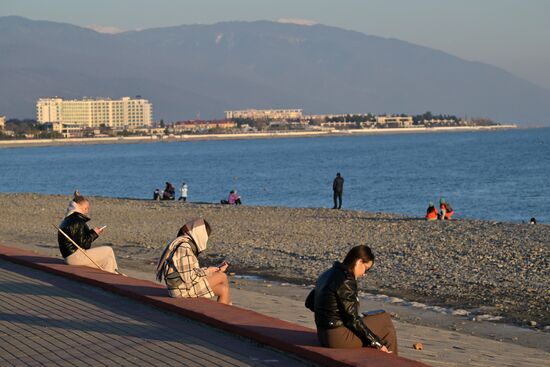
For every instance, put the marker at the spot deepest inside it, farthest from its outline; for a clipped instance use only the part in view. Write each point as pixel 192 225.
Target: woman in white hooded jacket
pixel 180 270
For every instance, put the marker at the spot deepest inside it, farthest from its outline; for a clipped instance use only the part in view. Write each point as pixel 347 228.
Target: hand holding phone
pixel 223 266
pixel 99 230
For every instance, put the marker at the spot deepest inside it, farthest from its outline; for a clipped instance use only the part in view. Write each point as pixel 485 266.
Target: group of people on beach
pixel 446 213
pixel 334 300
pixel 169 193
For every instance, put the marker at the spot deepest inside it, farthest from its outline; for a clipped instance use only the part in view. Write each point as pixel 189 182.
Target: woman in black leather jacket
pixel 336 305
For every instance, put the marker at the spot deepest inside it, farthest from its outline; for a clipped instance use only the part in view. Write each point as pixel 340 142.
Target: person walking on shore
pixel 335 302
pixel 179 265
pixel 74 225
pixel 183 192
pixel 338 190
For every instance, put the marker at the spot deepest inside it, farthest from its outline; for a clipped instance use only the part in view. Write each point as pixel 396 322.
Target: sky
pixel 511 34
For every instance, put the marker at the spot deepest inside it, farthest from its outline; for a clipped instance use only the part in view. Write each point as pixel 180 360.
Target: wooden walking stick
pixel 81 249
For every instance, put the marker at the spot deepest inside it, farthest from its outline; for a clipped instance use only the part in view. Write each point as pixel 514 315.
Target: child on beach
pixel 183 192
pixel 179 265
pixel 74 225
pixel 335 303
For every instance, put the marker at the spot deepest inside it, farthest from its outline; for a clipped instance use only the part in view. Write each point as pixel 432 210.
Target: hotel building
pixel 253 114
pixel 93 112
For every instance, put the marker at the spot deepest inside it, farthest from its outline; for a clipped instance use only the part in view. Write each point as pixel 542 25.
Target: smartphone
pixel 374 312
pixel 102 228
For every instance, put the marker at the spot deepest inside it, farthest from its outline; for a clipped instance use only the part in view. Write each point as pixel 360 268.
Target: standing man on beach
pixel 338 189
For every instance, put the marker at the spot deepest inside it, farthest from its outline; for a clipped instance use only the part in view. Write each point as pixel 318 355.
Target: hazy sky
pixel 512 34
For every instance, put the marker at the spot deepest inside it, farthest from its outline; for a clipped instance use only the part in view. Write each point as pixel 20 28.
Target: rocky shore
pixel 493 268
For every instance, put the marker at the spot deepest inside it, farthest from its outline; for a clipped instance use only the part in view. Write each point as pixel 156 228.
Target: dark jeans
pixel 337 200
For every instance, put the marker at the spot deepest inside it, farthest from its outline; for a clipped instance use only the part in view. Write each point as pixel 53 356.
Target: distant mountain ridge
pixel 202 70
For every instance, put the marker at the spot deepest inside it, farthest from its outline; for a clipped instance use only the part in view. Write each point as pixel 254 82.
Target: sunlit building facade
pixel 93 112
pixel 276 114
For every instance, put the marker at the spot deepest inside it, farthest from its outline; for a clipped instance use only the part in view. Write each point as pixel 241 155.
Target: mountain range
pixel 192 71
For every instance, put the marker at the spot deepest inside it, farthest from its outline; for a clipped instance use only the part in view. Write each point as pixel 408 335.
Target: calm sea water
pixel 488 175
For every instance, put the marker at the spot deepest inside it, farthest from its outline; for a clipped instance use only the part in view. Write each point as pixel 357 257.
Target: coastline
pixel 244 136
pixel 486 268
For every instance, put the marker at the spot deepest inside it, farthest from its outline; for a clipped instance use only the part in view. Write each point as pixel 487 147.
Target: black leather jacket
pixel 335 303
pixel 75 227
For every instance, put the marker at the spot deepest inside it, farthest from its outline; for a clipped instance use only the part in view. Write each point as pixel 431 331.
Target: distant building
pixel 93 112
pixel 67 130
pixel 2 122
pixel 198 125
pixel 279 114
pixel 338 124
pixel 394 121
pixel 325 117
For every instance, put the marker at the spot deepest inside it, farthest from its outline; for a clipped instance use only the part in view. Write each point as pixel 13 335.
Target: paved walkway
pixel 46 320
pixel 442 348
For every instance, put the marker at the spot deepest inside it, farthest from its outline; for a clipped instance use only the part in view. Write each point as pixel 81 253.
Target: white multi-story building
pixel 277 114
pixel 2 122
pixel 93 112
pixel 394 121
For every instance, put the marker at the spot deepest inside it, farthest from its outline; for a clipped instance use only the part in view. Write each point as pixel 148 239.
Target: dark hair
pixel 338 174
pixel 184 229
pixel 362 252
pixel 77 198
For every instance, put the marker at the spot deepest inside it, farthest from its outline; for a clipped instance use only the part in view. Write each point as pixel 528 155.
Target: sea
pixel 490 175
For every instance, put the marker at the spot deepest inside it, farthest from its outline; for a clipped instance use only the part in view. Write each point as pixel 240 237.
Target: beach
pixel 487 268
pixel 473 292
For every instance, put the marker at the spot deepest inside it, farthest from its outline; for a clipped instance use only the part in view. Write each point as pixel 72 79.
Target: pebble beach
pixel 484 267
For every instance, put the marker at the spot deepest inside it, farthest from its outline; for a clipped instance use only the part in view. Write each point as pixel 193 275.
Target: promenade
pixel 47 320
pixel 50 320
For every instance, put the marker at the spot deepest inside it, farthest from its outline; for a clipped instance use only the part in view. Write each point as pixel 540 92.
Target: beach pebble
pixel 418 346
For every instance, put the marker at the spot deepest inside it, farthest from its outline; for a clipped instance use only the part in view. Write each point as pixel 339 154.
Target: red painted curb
pixel 282 335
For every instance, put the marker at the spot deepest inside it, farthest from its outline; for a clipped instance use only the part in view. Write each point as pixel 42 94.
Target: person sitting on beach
pixel 179 265
pixel 431 212
pixel 336 305
pixel 533 221
pixel 156 194
pixel 169 192
pixel 234 198
pixel 74 225
pixel 446 209
pixel 183 192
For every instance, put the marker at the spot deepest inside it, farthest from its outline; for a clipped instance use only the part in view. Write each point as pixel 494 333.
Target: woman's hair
pixel 361 252
pixel 183 230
